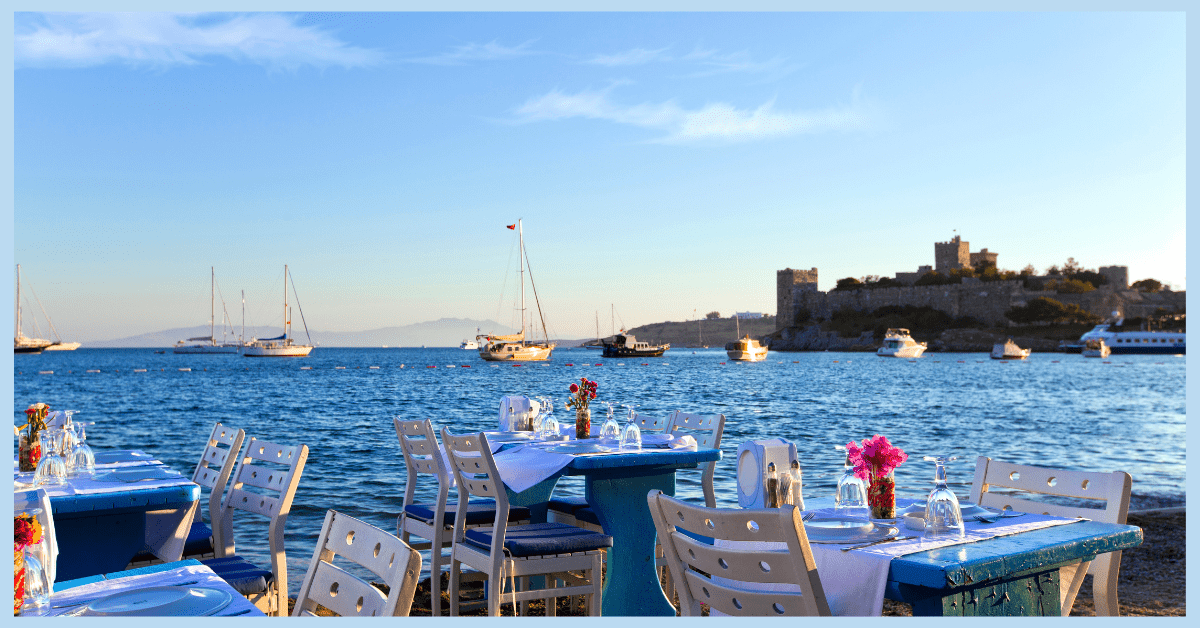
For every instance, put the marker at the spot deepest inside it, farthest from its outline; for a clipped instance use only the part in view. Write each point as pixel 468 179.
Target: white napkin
pixel 37 498
pixel 518 404
pixel 55 418
pixel 197 575
pixel 686 441
pixel 523 467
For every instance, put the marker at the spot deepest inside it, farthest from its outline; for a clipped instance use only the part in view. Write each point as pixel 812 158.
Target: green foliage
pixel 849 283
pixel 962 273
pixel 1147 285
pixel 1043 310
pixel 934 278
pixel 713 315
pixel 922 320
pixel 1069 286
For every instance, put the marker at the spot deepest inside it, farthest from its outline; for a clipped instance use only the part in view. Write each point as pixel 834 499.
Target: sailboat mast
pixel 521 261
pixel 285 305
pixel 212 306
pixel 18 330
pixel 242 339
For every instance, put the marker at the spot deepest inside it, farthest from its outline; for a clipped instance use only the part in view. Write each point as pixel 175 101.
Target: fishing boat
pixel 208 344
pixel 283 346
pixel 514 347
pixel 25 344
pixel 1096 348
pixel 626 346
pixel 1009 351
pixel 745 349
pixel 899 343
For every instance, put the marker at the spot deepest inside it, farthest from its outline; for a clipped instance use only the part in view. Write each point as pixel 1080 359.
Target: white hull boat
pixel 283 346
pixel 746 349
pixel 64 346
pixel 899 343
pixel 25 344
pixel 514 347
pixel 1144 342
pixel 469 345
pixel 208 344
pixel 1009 351
pixel 1096 348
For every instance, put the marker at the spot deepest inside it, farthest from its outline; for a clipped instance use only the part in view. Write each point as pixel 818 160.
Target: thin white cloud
pixel 491 51
pixel 165 39
pixel 714 122
pixel 714 62
pixel 637 56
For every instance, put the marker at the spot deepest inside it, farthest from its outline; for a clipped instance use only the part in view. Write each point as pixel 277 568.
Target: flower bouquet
pixel 29 449
pixel 581 395
pixel 876 461
pixel 26 531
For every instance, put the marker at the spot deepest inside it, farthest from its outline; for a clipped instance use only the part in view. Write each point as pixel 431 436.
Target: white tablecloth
pixel 189 575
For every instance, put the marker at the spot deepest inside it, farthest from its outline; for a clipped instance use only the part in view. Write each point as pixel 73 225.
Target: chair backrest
pixel 39 499
pixel 707 429
pixel 1112 488
pixel 747 550
pixel 476 474
pixel 647 423
pixel 422 455
pixel 215 466
pixel 384 555
pixel 273 487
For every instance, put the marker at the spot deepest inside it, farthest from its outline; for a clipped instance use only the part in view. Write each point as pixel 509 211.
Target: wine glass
pixel 851 497
pixel 539 419
pixel 610 432
pixel 36 596
pixel 943 516
pixel 81 459
pixel 51 469
pixel 631 436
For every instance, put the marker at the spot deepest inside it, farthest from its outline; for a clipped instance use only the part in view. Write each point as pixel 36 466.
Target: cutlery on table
pixel 808 517
pixel 887 540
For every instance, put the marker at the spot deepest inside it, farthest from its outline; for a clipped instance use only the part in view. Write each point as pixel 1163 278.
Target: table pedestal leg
pixel 632 587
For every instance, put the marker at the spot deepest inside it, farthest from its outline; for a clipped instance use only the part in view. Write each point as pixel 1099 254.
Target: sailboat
pixel 208 344
pixel 282 346
pixel 25 344
pixel 597 343
pixel 514 347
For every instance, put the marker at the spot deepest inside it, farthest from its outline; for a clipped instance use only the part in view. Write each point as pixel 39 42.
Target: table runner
pixel 854 581
pixel 202 575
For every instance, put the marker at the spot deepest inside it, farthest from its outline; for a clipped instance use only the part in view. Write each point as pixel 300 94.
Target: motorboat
pixel 283 346
pixel 899 343
pixel 469 344
pixel 627 346
pixel 514 347
pixel 1009 350
pixel 1096 348
pixel 746 349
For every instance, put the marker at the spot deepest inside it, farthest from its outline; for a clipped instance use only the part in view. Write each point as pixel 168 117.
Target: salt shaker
pixel 795 485
pixel 771 487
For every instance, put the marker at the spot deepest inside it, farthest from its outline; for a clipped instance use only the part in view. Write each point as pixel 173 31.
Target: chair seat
pixel 587 515
pixel 244 576
pixel 480 512
pixel 541 539
pixel 567 505
pixel 199 542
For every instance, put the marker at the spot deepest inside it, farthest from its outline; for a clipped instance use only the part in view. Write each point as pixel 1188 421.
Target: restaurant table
pixel 100 531
pixel 184 573
pixel 615 487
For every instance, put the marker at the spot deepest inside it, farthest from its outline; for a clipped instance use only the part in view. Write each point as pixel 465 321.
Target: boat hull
pixel 292 351
pixel 618 352
pixel 27 349
pixel 903 352
pixel 512 352
pixel 754 355
pixel 205 349
pixel 64 346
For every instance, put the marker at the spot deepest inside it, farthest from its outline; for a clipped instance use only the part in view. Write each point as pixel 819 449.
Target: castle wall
pixel 787 281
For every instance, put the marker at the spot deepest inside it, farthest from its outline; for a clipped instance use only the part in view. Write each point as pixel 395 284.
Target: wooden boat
pixel 626 346
pixel 514 347
pixel 1009 351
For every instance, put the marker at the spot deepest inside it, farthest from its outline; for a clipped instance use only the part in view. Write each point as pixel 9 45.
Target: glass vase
pixel 881 496
pixel 583 423
pixel 30 449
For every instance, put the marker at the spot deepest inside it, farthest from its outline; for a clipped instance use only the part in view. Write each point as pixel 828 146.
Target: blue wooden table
pixel 1007 575
pixel 615 487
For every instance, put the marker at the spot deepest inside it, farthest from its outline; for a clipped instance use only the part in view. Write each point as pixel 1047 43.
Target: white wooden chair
pixel 264 485
pixel 423 456
pixel 707 429
pixel 747 580
pixel 513 552
pixel 1110 488
pixel 386 556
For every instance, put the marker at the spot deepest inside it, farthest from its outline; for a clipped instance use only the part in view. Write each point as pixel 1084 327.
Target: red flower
pixel 574 388
pixel 592 395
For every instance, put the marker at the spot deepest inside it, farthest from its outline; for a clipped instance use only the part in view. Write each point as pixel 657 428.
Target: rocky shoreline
pixel 812 338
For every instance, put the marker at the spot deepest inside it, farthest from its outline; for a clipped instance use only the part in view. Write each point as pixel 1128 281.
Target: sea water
pixel 1126 413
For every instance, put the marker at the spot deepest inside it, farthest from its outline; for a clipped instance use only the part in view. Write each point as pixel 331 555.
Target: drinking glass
pixel 550 427
pixel 81 459
pixel 851 497
pixel 539 419
pixel 610 432
pixel 37 584
pixel 51 469
pixel 631 436
pixel 943 517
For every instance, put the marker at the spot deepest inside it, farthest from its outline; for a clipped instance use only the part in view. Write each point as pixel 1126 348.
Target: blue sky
pixel 662 163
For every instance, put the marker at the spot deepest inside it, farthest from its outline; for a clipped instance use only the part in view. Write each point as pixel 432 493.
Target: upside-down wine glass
pixel 631 436
pixel 82 459
pixel 51 469
pixel 851 497
pixel 538 421
pixel 943 516
pixel 610 432
pixel 36 596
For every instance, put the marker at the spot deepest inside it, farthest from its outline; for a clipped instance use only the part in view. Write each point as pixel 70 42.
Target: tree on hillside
pixel 1043 310
pixel 713 315
pixel 1147 285
pixel 848 283
pixel 1069 286
pixel 934 278
pixel 1028 271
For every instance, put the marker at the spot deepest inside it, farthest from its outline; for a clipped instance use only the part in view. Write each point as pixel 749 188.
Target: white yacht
pixel 1154 342
pixel 746 349
pixel 1096 348
pixel 208 344
pixel 514 347
pixel 1009 351
pixel 898 343
pixel 282 346
pixel 470 345
pixel 25 344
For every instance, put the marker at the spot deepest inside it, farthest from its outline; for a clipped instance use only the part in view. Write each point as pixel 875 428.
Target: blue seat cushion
pixel 541 539
pixel 587 515
pixel 199 542
pixel 567 505
pixel 480 512
pixel 244 576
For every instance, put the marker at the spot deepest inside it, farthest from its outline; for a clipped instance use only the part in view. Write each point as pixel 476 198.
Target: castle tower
pixel 785 281
pixel 1118 276
pixel 952 255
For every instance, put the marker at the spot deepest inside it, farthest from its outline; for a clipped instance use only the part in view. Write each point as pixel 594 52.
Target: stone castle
pixel 797 294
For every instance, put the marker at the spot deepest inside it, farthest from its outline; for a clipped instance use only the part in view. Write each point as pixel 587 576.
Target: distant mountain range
pixel 445 332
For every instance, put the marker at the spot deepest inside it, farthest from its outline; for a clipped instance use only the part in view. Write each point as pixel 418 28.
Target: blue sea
pixel 1126 413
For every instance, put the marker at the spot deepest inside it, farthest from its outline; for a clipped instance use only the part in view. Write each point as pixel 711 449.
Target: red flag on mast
pixel 513 227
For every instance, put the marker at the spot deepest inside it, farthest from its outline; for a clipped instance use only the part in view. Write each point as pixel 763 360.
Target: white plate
pixel 837 528
pixel 876 533
pixel 174 601
pixel 969 509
